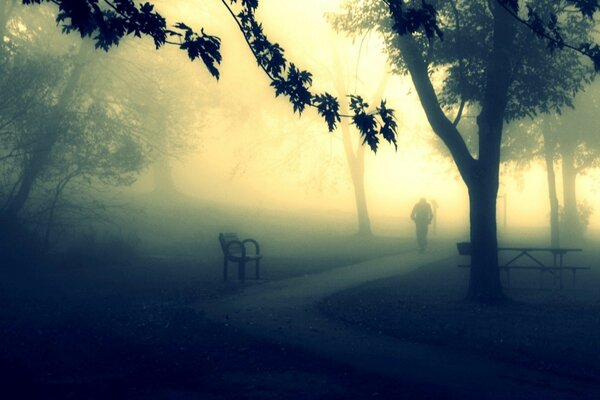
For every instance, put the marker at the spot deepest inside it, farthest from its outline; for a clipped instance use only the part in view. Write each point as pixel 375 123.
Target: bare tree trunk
pixel 549 149
pixel 358 180
pixel 571 223
pixel 356 166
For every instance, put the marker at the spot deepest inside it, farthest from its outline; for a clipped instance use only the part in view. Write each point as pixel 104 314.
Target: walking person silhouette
pixel 422 216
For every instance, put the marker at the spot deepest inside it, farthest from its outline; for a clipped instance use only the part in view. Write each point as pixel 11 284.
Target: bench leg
pixel 242 271
pixel 225 269
pixel 560 278
pixel 257 269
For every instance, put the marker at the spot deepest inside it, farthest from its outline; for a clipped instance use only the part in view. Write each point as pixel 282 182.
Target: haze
pixel 128 175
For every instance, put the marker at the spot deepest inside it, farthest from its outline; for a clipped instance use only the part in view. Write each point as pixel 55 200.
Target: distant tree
pixel 355 153
pixel 169 113
pixel 568 138
pixel 577 137
pixel 50 144
pixel 44 135
pixel 58 129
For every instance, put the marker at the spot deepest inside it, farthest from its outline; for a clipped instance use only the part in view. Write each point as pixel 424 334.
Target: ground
pixel 130 331
pixel 548 330
pixel 77 330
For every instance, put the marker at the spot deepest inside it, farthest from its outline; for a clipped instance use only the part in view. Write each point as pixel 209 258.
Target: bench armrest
pixel 254 242
pixel 238 243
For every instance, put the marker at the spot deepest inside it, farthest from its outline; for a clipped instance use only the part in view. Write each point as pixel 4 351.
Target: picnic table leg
pixel 257 268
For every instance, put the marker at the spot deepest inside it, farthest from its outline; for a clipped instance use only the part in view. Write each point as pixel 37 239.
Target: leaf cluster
pixel 411 19
pixel 369 126
pixel 108 21
pixel 289 80
pixel 546 24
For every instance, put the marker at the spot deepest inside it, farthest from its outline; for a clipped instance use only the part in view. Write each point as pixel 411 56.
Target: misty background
pixel 119 170
pixel 140 129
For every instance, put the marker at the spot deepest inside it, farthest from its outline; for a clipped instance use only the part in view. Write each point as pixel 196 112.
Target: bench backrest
pixel 228 237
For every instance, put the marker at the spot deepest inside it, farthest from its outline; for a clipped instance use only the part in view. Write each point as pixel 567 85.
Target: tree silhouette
pixel 489 57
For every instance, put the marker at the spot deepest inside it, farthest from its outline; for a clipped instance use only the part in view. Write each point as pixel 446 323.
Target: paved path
pixel 286 312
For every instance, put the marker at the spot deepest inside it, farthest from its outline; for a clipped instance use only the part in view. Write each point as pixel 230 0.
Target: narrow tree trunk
pixel 571 221
pixel 358 182
pixel 356 167
pixel 549 148
pixel 355 159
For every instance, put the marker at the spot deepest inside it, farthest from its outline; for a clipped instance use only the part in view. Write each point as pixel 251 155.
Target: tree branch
pixel 440 124
pixel 542 33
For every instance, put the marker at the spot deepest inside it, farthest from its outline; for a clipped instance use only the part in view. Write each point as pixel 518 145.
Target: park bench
pixel 555 268
pixel 237 251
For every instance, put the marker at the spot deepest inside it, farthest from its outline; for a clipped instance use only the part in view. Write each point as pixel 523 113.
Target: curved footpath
pixel 286 312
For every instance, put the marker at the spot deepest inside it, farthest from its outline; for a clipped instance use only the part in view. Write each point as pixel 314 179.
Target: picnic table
pixel 531 258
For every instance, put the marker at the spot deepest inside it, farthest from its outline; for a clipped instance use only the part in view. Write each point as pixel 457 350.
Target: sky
pixel 271 158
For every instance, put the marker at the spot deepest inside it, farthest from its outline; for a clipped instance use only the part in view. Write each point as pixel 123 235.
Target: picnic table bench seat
pixel 239 251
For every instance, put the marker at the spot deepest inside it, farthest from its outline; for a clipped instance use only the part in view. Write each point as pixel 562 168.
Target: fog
pixel 233 143
pixel 120 169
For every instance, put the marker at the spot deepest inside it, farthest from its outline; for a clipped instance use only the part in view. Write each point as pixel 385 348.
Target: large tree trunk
pixel 549 149
pixel 484 283
pixel 571 223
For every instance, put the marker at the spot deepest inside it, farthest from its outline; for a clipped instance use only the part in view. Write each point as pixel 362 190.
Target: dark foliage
pixel 408 20
pixel 548 28
pixel 108 21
